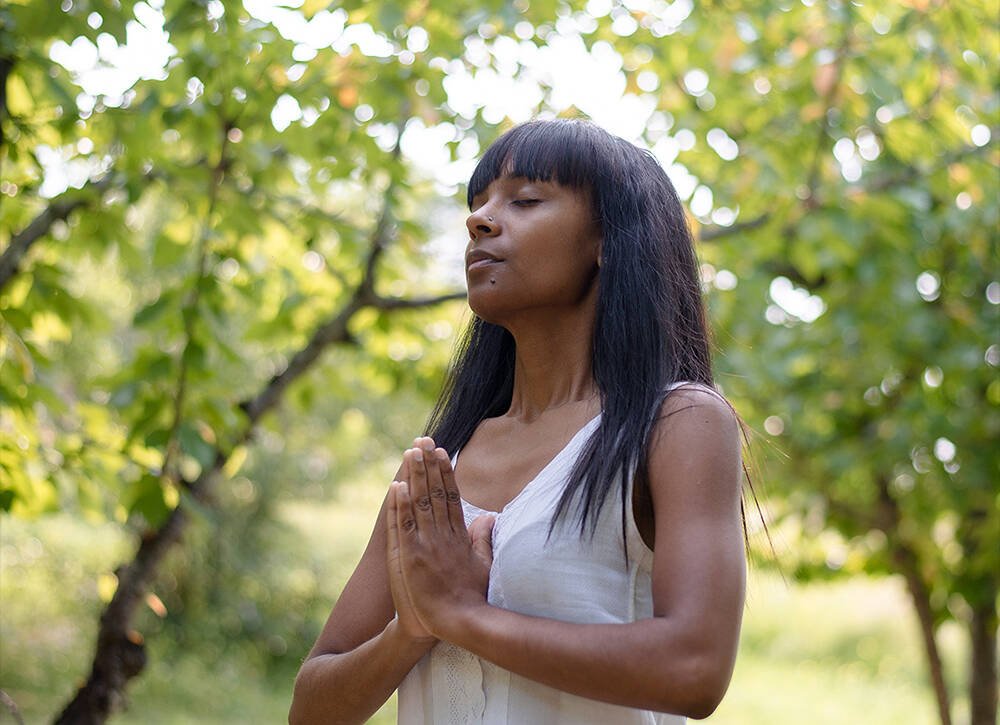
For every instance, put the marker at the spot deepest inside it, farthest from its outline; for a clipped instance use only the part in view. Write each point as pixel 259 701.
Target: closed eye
pixel 526 202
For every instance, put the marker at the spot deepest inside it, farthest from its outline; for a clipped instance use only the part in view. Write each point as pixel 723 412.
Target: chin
pixel 486 309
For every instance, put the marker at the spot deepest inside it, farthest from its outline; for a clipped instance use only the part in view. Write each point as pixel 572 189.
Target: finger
pixel 405 519
pixel 456 517
pixel 417 489
pixel 481 533
pixel 435 483
pixel 392 524
pixel 404 470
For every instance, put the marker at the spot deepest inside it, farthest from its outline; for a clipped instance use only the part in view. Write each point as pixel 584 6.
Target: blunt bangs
pixel 565 151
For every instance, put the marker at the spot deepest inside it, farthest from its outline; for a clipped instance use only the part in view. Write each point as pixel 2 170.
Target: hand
pixel 444 567
pixel 409 623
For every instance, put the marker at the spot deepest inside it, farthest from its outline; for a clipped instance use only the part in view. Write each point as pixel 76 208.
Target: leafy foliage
pixel 189 234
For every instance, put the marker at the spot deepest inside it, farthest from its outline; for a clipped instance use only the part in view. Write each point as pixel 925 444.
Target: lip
pixel 480 258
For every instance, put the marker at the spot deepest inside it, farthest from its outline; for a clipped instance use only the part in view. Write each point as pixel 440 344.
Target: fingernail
pixel 418 455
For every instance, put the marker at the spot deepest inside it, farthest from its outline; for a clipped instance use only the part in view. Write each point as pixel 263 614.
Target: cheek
pixel 560 278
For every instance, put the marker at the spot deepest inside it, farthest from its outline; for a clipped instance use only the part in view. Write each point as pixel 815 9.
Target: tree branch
pixel 333 331
pixel 380 236
pixel 336 329
pixel 6 66
pixel 714 233
pixel 912 173
pixel 57 210
pixel 172 450
pixel 399 303
pixel 829 101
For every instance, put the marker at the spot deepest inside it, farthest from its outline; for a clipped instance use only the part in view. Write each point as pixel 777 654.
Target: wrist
pixel 405 642
pixel 460 625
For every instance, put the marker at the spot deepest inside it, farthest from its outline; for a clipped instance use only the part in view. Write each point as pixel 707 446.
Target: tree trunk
pixel 905 560
pixel 983 678
pixel 120 653
pixel 920 596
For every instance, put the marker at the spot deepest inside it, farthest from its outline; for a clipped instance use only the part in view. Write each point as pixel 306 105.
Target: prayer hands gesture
pixel 438 568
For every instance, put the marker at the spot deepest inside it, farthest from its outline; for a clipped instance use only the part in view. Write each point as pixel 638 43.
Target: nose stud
pixel 489 219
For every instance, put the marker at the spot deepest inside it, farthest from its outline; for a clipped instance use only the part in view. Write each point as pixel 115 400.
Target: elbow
pixel 696 704
pixel 698 691
pixel 318 697
pixel 703 707
pixel 296 715
pixel 302 710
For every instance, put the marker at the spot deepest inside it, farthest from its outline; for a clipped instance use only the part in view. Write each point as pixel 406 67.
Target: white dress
pixel 568 578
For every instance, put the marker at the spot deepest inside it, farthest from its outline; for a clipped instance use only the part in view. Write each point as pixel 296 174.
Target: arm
pixel 363 652
pixel 681 659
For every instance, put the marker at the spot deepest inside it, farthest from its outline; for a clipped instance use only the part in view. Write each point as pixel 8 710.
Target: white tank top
pixel 569 578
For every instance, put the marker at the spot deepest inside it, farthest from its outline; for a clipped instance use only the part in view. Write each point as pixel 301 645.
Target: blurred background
pixel 231 274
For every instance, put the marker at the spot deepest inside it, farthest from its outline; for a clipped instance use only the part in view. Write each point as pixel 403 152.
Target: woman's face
pixel 534 245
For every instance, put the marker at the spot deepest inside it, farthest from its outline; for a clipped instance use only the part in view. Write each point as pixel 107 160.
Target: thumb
pixel 481 534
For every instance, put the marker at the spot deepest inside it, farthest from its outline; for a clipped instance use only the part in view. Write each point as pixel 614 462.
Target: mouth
pixel 477 259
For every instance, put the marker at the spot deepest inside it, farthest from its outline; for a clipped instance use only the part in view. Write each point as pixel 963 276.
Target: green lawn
pixel 822 653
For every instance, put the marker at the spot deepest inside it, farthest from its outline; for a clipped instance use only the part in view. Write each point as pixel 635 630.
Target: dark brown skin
pixel 422 562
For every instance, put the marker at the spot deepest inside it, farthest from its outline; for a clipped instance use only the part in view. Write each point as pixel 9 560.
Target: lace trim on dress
pixel 463 683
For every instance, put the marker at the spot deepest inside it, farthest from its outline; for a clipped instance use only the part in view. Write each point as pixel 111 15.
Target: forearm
pixel 656 664
pixel 348 687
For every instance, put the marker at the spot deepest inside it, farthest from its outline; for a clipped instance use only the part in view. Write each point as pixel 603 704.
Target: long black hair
pixel 650 328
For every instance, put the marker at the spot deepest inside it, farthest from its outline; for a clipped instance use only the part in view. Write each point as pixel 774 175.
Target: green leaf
pixel 194 445
pixel 145 497
pixel 152 312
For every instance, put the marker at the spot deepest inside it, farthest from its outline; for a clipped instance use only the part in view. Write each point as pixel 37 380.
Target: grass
pixel 819 653
pixel 829 654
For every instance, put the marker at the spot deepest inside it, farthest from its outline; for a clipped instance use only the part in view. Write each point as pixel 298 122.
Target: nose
pixel 482 223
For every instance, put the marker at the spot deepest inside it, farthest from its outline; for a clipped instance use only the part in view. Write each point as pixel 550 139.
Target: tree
pixel 248 196
pixel 246 251
pixel 862 333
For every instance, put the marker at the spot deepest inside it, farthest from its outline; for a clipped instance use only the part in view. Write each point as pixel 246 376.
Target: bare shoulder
pixel 696 443
pixel 693 408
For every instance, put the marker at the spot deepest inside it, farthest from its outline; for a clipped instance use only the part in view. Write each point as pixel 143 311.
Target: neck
pixel 552 365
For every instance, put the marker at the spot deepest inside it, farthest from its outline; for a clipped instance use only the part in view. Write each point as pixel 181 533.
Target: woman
pixel 581 441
